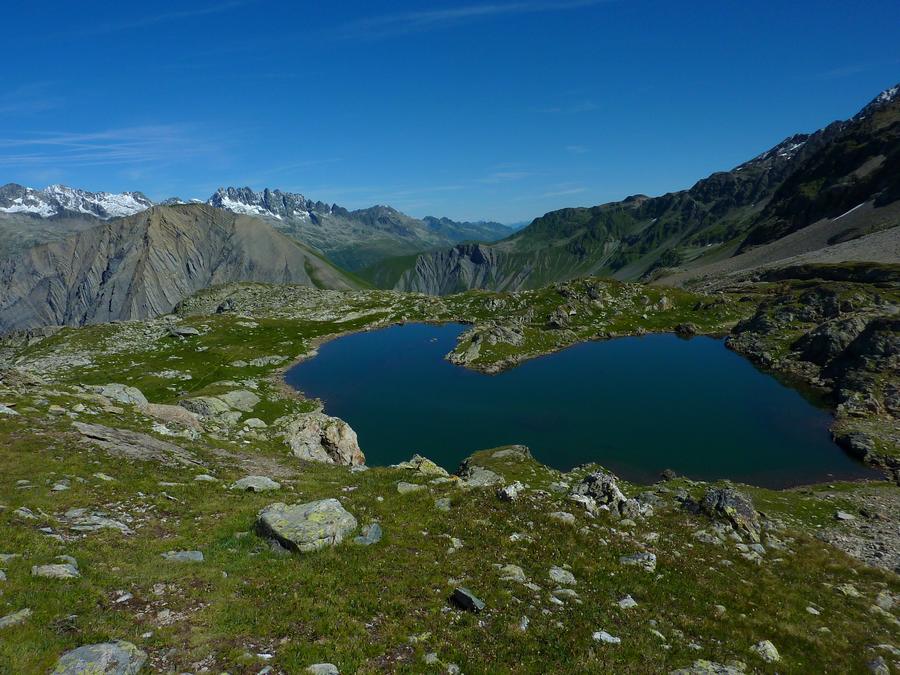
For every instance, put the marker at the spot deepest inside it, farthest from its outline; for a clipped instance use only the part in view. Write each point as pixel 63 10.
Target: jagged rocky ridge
pixel 805 179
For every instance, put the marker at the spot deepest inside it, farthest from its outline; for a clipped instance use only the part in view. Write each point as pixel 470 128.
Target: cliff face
pixel 143 265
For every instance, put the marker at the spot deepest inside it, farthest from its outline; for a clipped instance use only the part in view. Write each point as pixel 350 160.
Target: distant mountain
pixel 59 201
pixel 143 265
pixel 353 239
pixel 807 182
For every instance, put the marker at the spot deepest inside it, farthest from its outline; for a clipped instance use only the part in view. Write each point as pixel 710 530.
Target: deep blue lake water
pixel 635 405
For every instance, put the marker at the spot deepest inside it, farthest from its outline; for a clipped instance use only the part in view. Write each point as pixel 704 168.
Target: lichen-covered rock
pixel 422 466
pixel 474 476
pixel 107 658
pixel 735 507
pixel 317 437
pixel 15 618
pixel 120 393
pixel 306 527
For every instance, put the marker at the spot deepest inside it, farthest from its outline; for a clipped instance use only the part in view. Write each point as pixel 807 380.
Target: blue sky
pixel 478 109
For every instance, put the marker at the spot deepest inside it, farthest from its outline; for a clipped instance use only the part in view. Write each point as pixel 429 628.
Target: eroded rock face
pixel 107 658
pixel 734 507
pixel 317 437
pixel 306 527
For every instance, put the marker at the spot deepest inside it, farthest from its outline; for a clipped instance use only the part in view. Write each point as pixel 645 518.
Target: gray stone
pixel 603 636
pixel 120 393
pixel 474 476
pixel 422 466
pixel 766 651
pixel 734 507
pixel 240 399
pixel 442 504
pixel 15 618
pixel 107 658
pixel 182 331
pixel 465 599
pixel 57 571
pixel 510 493
pixel 563 517
pixel 317 437
pixel 323 669
pixel 561 576
pixel 370 534
pixel 183 556
pixel 405 488
pixel 646 561
pixel 703 667
pixel 256 484
pixel 306 527
pixel 133 445
pixel 627 602
pixel 843 515
pixel 513 573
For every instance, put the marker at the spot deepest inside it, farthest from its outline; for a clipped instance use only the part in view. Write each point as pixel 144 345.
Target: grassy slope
pixel 381 608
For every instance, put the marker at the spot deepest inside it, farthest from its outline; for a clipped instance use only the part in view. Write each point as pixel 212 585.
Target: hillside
pixel 802 181
pixel 143 265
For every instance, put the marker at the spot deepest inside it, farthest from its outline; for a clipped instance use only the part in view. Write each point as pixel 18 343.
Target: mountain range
pixel 832 196
pixel 352 239
pixel 807 194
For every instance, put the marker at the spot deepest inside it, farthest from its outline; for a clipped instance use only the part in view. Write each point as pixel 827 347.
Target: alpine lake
pixel 635 405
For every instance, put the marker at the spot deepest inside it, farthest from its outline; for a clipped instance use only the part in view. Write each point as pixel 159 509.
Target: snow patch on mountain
pixel 58 200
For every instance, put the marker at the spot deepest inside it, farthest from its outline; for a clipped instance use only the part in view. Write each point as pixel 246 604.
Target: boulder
pixel 827 341
pixel 306 527
pixel 256 484
pixel 510 493
pixel 323 669
pixel 15 618
pixel 646 561
pixel 405 488
pixel 370 534
pixel 182 331
pixel 172 414
pixel 56 571
pixel 207 407
pixel 734 507
pixel 107 658
pixel 562 577
pixel 465 599
pixel 120 393
pixel 474 476
pixel 240 399
pixel 422 466
pixel 317 437
pixel 133 445
pixel 766 651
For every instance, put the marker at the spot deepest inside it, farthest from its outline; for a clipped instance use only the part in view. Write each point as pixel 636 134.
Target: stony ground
pixel 125 514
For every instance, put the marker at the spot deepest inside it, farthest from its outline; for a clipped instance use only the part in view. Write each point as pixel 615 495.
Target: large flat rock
pixel 306 527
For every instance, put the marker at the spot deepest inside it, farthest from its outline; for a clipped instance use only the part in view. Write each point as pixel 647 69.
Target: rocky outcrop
pixel 134 445
pixel 733 507
pixel 143 265
pixel 317 437
pixel 306 527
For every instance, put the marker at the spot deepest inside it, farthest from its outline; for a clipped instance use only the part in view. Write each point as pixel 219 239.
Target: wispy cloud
pixel 577 149
pixel 125 146
pixel 415 22
pixel 505 177
pixel 29 99
pixel 163 17
pixel 563 193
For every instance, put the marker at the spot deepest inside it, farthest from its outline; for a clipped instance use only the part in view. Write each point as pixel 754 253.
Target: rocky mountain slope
pixel 58 201
pixel 143 265
pixel 849 168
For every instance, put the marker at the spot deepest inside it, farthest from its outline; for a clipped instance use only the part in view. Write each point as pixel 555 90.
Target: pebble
pixel 183 556
pixel 627 602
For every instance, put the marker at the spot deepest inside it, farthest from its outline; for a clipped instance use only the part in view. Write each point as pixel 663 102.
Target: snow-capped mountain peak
pixel 268 203
pixel 57 200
